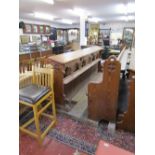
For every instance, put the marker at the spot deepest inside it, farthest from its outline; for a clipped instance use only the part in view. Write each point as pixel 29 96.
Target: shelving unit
pixel 106 42
pixel 100 39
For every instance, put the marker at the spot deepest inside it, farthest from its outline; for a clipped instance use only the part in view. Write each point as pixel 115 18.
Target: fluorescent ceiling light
pixel 48 1
pixel 78 12
pixel 94 19
pixel 43 16
pixel 127 18
pixel 130 7
pixel 131 17
pixel 125 9
pixel 120 8
pixel 124 18
pixel 66 21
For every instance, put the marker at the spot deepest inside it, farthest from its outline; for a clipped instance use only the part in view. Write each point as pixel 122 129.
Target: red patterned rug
pixel 84 136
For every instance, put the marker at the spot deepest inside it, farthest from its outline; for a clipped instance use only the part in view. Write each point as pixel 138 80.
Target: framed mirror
pixel 128 36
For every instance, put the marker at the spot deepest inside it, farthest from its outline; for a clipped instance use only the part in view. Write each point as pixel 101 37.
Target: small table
pixel 108 149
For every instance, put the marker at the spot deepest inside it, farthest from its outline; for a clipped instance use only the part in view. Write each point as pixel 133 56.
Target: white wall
pixel 116 29
pixel 117 25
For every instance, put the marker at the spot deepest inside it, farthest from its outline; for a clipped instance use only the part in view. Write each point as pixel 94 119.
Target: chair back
pixel 43 77
pixel 41 62
pixel 25 65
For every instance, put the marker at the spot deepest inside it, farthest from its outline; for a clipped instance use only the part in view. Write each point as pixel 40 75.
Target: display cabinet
pixel 128 36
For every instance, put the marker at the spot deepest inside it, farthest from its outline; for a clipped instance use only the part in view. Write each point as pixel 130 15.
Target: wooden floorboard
pixel 80 95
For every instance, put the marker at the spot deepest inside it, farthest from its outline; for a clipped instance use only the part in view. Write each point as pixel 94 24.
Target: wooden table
pixel 69 66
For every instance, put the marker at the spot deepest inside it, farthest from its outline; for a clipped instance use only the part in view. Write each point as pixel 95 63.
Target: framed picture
pixel 47 29
pixel 28 28
pixel 25 39
pixel 41 29
pixel 35 28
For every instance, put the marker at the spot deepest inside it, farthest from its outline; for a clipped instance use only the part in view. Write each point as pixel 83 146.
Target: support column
pixel 83 38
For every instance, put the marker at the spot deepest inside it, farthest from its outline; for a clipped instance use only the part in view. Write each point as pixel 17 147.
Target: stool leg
pixel 53 107
pixel 36 118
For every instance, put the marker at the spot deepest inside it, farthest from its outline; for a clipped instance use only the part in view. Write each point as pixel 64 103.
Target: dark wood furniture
pixel 126 120
pixel 69 66
pixel 131 68
pixel 102 97
pixel 35 54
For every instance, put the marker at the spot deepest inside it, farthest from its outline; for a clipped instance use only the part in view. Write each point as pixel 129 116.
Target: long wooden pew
pixel 103 96
pixel 69 66
pixel 126 119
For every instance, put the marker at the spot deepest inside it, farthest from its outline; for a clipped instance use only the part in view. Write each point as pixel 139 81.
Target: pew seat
pixel 77 73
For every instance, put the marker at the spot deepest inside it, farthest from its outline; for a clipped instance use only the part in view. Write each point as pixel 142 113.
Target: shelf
pixel 77 73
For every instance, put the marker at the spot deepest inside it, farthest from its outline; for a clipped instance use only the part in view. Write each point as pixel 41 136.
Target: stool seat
pixel 39 96
pixel 32 93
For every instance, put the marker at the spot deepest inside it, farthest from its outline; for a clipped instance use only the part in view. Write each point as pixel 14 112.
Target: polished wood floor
pixel 79 94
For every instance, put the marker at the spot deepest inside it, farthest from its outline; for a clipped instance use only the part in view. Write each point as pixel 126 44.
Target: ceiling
pixel 105 10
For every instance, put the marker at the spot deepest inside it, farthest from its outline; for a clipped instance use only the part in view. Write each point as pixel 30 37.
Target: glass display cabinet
pixel 128 36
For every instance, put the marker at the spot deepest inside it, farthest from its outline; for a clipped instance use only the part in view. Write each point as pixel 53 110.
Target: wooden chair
pixel 40 91
pixel 41 62
pixel 25 65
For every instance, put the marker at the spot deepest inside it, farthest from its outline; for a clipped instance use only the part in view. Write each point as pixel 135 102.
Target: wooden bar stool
pixel 40 91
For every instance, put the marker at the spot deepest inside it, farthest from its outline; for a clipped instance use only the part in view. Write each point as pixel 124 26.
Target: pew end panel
pixel 102 97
